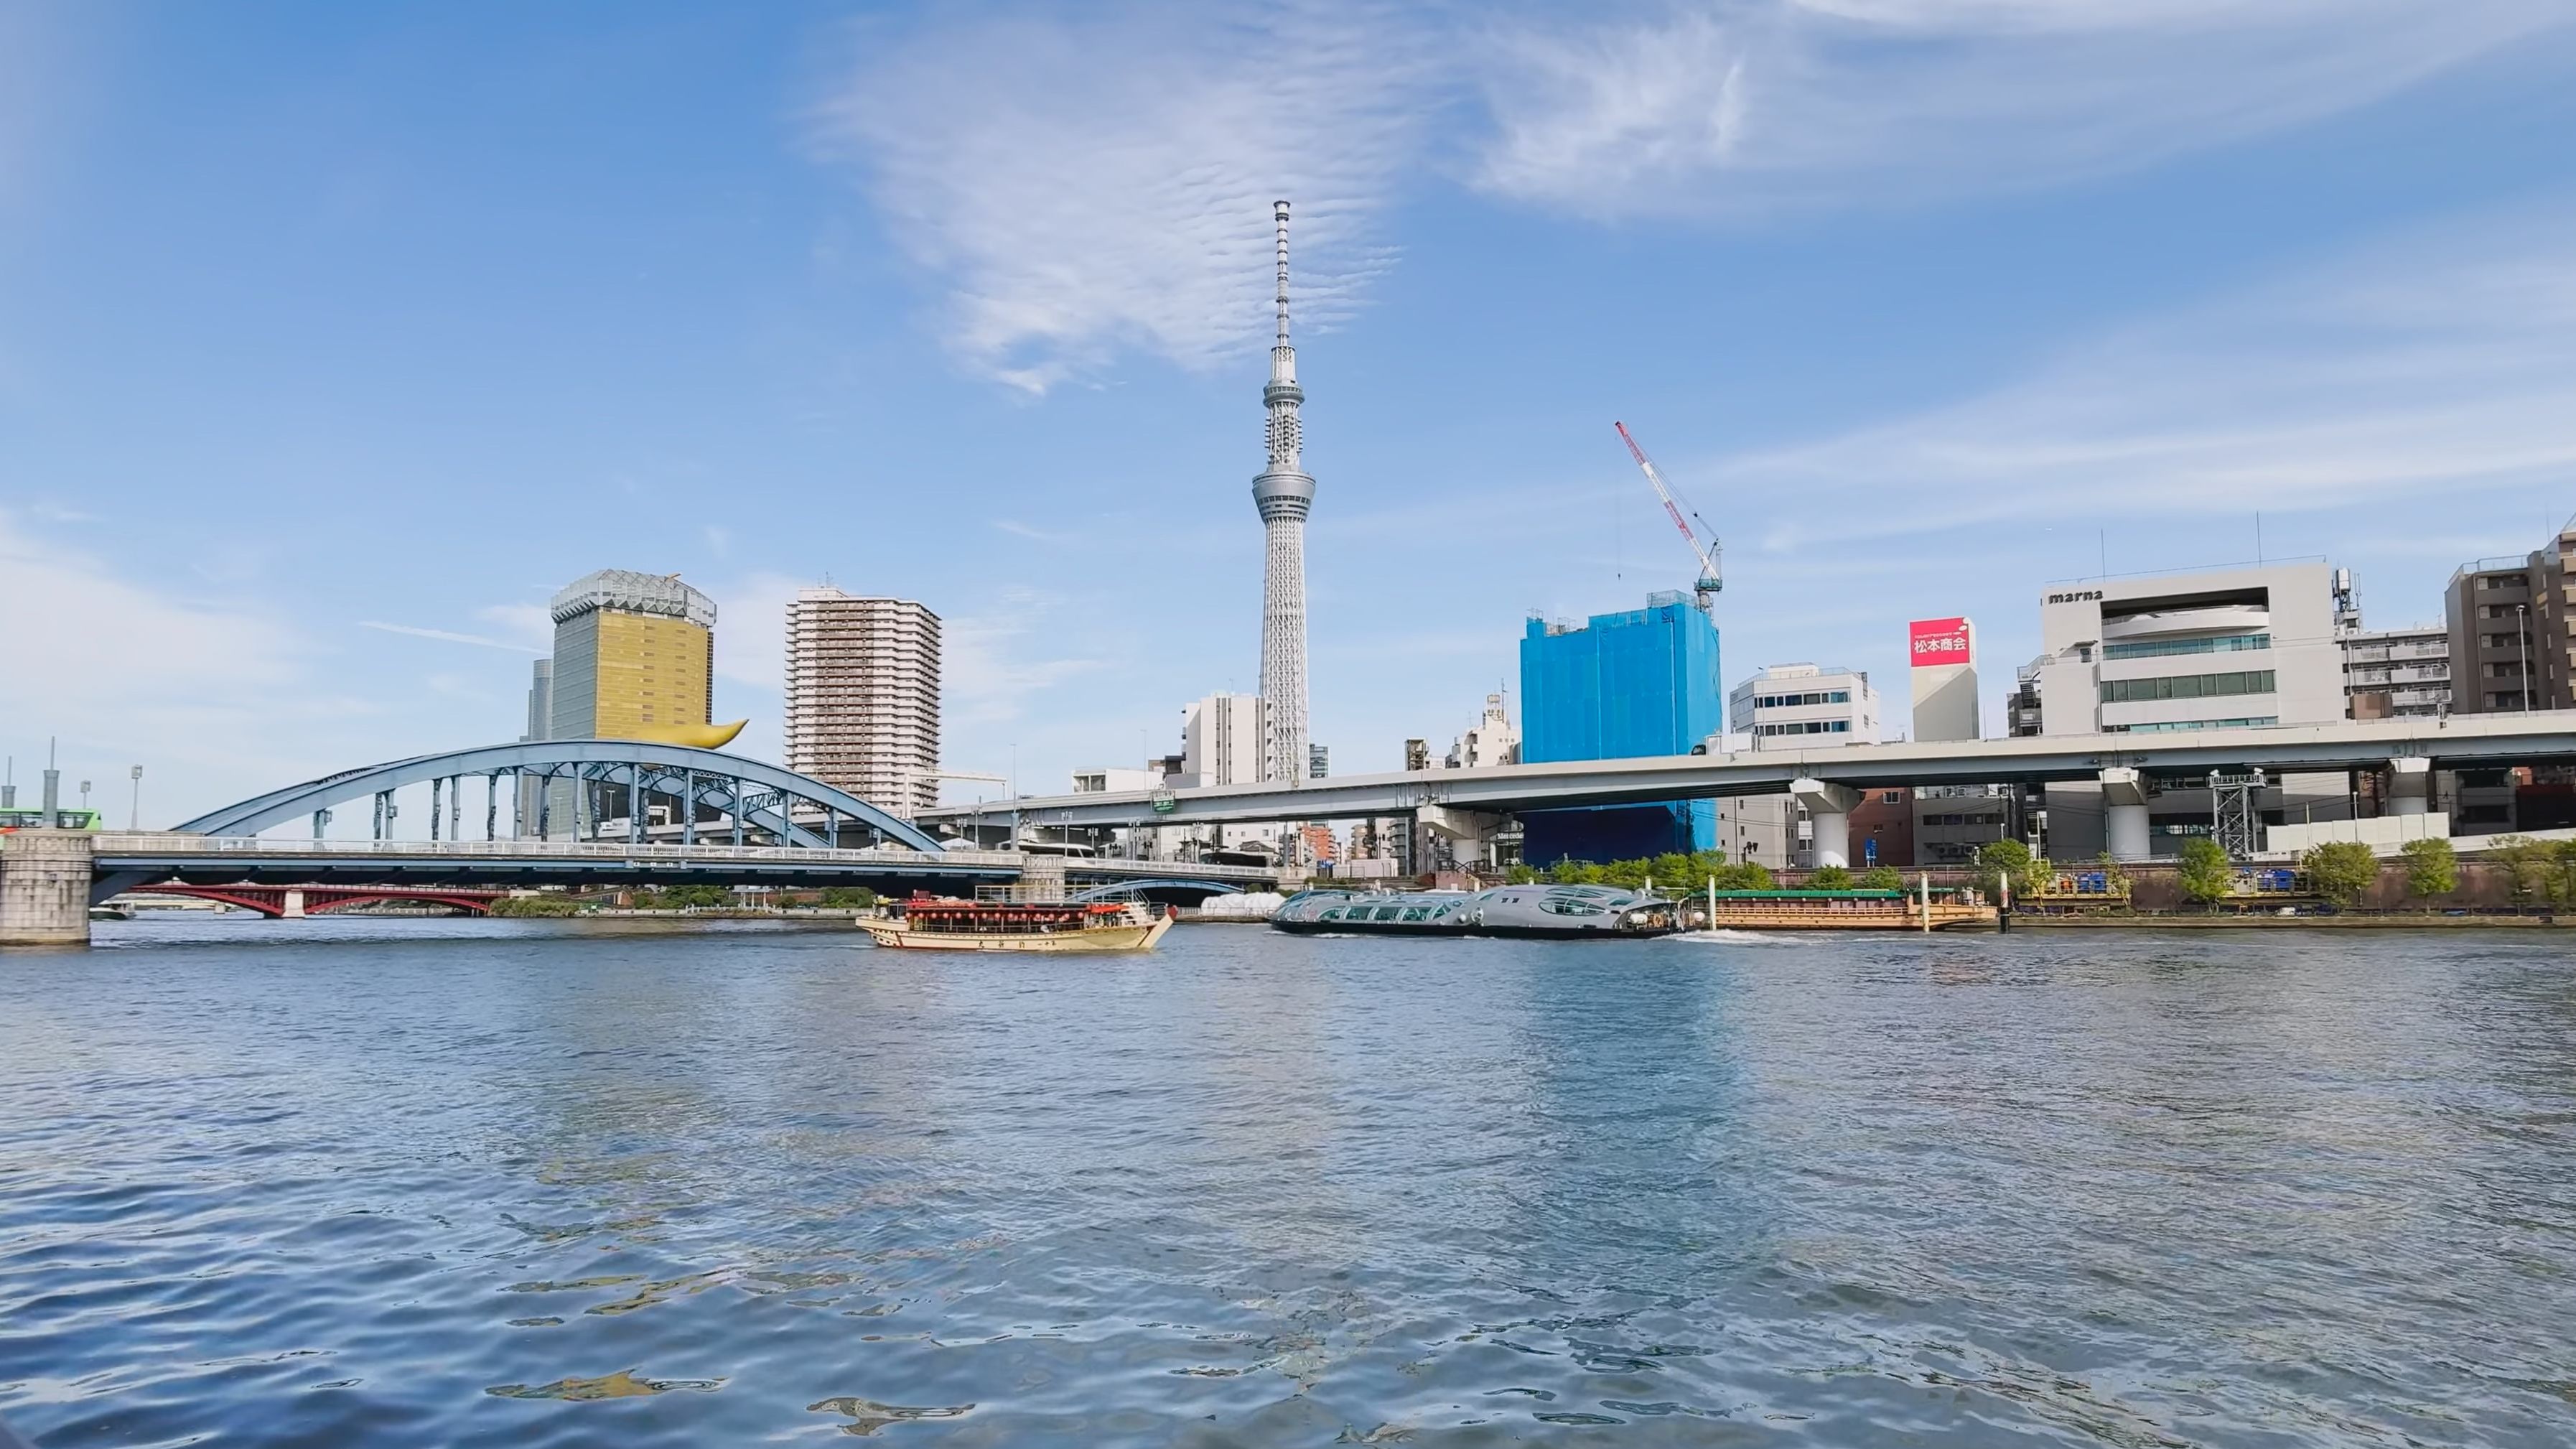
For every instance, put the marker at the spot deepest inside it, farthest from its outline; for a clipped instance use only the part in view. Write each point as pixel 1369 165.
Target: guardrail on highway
pixel 162 842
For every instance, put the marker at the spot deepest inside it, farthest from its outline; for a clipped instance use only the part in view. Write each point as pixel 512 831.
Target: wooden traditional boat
pixel 934 924
pixel 1938 909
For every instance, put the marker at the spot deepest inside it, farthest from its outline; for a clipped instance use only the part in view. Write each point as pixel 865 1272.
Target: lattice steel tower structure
pixel 1283 493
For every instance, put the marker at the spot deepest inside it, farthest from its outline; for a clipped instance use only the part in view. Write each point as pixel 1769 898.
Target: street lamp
pixel 2522 641
pixel 135 820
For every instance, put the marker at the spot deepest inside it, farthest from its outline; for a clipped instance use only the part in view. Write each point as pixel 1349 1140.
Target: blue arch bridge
pixel 592 813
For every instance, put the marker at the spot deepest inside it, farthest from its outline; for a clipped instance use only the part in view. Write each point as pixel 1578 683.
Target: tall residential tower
pixel 1283 493
pixel 863 697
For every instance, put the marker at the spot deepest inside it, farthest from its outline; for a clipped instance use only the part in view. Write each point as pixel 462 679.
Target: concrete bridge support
pixel 1828 810
pixel 2410 785
pixel 2124 813
pixel 44 887
pixel 1470 829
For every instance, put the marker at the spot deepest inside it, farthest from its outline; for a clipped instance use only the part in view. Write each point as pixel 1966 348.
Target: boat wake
pixel 1724 937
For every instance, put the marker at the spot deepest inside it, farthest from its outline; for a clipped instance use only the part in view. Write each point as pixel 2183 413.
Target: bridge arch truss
pixel 706 795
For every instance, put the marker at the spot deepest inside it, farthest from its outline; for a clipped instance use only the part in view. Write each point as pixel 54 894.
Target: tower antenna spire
pixel 1279 212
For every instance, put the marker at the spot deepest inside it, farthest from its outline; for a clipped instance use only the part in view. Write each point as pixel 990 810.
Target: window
pixel 1388 913
pixel 2192 724
pixel 2159 648
pixel 2186 686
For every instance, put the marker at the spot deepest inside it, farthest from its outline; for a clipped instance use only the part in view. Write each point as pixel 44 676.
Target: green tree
pixel 2526 862
pixel 2204 873
pixel 1882 878
pixel 1521 875
pixel 1570 871
pixel 535 906
pixel 2562 883
pixel 1625 874
pixel 2002 860
pixel 2342 871
pixel 2114 877
pixel 847 898
pixel 2432 867
pixel 1744 876
pixel 1829 878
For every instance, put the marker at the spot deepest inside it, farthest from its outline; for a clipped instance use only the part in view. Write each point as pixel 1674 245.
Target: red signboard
pixel 1939 641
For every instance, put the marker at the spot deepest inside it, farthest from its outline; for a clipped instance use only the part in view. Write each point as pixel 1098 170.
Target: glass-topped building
pixel 1620 686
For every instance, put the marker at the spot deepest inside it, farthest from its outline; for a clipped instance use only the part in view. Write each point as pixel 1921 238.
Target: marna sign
pixel 1940 641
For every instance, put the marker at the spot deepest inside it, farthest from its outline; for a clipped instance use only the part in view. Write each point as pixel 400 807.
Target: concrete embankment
pixel 2112 921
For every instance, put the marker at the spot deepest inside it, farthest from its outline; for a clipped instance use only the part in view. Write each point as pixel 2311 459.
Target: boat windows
pixel 1562 907
pixel 1388 913
pixel 1417 913
pixel 1334 914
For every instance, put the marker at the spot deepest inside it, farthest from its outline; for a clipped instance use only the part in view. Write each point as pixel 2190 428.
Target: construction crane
pixel 1710 578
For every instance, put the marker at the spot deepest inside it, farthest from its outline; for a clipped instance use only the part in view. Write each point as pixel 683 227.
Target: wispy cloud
pixel 1095 181
pixel 989 674
pixel 2434 366
pixel 449 636
pixel 215 700
pixel 1738 106
pixel 1091 183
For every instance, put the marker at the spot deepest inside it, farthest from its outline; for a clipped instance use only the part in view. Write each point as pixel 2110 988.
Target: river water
pixel 538 1183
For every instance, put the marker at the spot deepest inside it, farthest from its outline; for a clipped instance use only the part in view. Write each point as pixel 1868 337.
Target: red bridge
pixel 296 902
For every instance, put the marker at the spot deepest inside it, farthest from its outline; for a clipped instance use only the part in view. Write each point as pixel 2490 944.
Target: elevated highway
pixel 1829 779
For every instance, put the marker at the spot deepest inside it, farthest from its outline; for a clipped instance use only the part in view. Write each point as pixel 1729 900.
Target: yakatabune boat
pixel 1585 911
pixel 929 924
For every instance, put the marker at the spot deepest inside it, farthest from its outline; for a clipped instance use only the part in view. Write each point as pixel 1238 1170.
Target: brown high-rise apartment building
pixel 863 697
pixel 2512 647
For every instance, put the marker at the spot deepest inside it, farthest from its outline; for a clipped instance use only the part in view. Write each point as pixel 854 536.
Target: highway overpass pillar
pixel 294 910
pixel 1829 808
pixel 2124 813
pixel 44 887
pixel 1469 830
pixel 2410 785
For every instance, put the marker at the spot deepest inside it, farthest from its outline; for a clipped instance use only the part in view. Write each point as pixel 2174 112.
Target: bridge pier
pixel 2124 813
pixel 1829 808
pixel 44 887
pixel 294 907
pixel 2410 785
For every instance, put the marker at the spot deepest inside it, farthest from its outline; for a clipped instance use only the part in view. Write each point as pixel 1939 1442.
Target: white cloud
pixel 1734 106
pixel 2434 366
pixel 446 636
pixel 531 624
pixel 216 701
pixel 1086 183
pixel 1098 181
pixel 986 673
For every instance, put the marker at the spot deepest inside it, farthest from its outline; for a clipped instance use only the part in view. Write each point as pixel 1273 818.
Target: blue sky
pixel 334 338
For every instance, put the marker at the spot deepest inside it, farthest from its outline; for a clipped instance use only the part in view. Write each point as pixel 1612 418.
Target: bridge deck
pixel 2459 740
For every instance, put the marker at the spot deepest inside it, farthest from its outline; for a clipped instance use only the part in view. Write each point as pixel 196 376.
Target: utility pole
pixel 2522 640
pixel 135 820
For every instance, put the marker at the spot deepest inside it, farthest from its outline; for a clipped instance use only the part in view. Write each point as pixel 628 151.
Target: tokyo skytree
pixel 1283 493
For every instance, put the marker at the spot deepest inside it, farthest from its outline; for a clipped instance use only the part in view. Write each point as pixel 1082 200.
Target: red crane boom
pixel 1710 578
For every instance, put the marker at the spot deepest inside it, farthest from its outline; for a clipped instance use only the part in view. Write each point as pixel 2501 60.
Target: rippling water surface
pixel 430 1183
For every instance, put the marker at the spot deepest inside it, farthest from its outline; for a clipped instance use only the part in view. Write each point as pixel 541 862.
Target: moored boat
pixel 930 924
pixel 1576 911
pixel 1845 910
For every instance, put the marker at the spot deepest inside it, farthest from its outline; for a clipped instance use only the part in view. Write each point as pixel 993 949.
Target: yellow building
pixel 635 660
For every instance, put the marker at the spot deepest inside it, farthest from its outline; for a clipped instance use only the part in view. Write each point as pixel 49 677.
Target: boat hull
pixel 900 936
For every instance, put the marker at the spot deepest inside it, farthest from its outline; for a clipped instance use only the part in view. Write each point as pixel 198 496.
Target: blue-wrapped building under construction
pixel 1619 686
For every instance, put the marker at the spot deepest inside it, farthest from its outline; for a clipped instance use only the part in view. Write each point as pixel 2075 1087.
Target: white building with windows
pixel 1804 706
pixel 2160 653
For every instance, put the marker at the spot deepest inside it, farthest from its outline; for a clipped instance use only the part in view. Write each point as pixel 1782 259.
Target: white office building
pixel 1492 740
pixel 2163 653
pixel 1804 706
